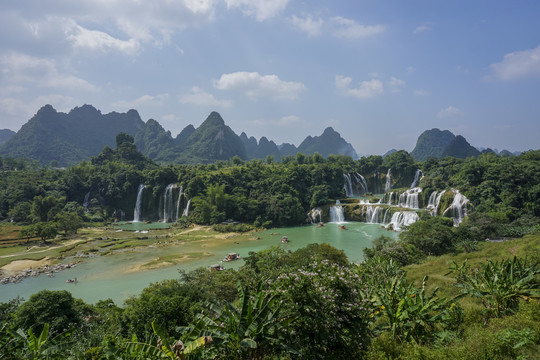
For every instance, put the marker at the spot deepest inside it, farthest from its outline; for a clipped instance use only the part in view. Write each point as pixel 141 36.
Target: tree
pixel 57 308
pixel 68 222
pixel 45 208
pixel 46 230
pixel 432 236
pixel 333 312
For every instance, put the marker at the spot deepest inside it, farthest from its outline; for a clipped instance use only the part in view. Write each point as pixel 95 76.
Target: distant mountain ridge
pixel 69 138
pixel 5 135
pixel 82 133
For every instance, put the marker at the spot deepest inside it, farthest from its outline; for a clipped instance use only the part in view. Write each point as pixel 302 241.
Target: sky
pixel 380 72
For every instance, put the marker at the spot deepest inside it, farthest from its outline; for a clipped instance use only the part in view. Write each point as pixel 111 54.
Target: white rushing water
pixel 409 198
pixel 336 214
pixel 388 184
pixel 137 213
pixel 458 209
pixel 417 177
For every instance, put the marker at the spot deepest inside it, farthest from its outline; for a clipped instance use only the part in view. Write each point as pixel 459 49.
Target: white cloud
pixel 420 92
pixel 448 112
pixel 366 90
pixel 421 28
pixel 309 25
pixel 347 28
pixel 255 85
pixel 518 65
pixel 395 84
pixel 100 41
pixel 22 69
pixel 144 100
pixel 200 97
pixel 261 9
pixel 104 22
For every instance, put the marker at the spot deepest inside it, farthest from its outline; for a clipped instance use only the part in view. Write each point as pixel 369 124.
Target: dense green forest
pixel 308 304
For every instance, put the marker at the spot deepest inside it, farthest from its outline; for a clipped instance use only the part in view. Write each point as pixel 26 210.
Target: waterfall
pixel 362 182
pixel 168 207
pixel 433 202
pixel 348 185
pixel 180 193
pixel 388 184
pixel 409 198
pixel 336 214
pixel 458 208
pixel 401 219
pixel 355 185
pixel 186 210
pixel 137 213
pixel 315 215
pixel 376 182
pixel 417 178
pixel 373 214
pixel 86 200
pixel 385 217
pixel 390 198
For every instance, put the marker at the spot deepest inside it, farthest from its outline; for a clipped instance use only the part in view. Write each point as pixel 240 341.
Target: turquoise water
pixel 115 276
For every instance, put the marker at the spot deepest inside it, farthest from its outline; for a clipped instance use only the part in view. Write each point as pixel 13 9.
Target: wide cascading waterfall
pixel 401 219
pixel 409 198
pixel 388 184
pixel 137 213
pixel 336 214
pixel 417 177
pixel 458 209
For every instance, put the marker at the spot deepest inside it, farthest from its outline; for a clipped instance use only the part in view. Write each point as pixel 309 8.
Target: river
pixel 119 276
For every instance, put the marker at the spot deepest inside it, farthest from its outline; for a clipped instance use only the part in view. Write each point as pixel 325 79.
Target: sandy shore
pixel 17 266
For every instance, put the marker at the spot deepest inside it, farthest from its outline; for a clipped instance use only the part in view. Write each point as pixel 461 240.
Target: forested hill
pixel 5 135
pixel 61 139
pixel 441 143
pixel 69 138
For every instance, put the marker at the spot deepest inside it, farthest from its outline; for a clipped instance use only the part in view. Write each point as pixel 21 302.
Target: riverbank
pixel 24 260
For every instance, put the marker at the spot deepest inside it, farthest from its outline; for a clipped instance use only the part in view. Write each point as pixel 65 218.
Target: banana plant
pixel 167 348
pixel 255 326
pixel 17 344
pixel 499 285
pixel 408 312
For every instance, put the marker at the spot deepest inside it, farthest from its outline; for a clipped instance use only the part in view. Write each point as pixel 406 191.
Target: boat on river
pixel 232 257
pixel 216 267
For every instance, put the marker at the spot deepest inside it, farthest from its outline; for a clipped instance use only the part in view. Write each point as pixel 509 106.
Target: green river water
pixel 114 277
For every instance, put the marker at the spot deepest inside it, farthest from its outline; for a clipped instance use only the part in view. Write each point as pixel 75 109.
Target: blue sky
pixel 379 72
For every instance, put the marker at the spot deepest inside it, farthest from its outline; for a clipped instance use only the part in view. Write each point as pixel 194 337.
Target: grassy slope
pixel 476 340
